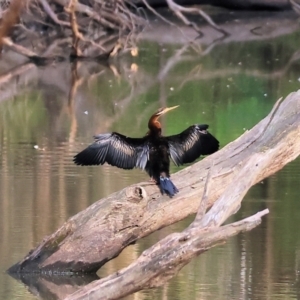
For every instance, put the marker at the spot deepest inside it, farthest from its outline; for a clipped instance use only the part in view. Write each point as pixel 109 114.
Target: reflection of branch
pixel 75 83
pixel 178 57
pixel 15 72
pixel 196 75
pixel 171 62
pixel 8 87
pixel 45 286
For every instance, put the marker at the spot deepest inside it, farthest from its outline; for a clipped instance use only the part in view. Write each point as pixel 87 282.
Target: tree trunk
pixel 99 233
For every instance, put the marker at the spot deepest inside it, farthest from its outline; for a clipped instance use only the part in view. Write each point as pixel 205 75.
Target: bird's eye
pixel 160 110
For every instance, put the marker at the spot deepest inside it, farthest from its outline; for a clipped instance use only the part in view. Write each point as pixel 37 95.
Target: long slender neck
pixel 154 126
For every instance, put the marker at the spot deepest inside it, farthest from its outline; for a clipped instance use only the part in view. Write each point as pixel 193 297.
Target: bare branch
pixel 295 6
pixel 51 13
pixel 179 10
pixel 18 48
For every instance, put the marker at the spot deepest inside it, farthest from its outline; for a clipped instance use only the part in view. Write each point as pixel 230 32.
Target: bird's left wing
pixel 116 150
pixel 188 145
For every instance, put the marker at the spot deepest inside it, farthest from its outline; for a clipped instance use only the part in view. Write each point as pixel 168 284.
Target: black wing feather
pixel 188 145
pixel 116 150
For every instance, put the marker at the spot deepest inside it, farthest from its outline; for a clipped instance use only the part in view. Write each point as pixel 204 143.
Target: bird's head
pixel 154 125
pixel 164 110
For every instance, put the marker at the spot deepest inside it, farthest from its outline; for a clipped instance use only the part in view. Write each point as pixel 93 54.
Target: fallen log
pixel 163 260
pixel 92 237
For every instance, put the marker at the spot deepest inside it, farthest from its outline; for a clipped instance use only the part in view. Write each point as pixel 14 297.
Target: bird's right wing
pixel 116 150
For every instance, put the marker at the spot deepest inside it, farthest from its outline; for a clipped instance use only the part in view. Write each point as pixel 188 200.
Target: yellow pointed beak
pixel 168 109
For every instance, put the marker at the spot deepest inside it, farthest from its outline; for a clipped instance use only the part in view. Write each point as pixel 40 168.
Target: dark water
pixel 48 114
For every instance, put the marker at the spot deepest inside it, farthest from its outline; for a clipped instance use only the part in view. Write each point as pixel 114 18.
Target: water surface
pixel 48 114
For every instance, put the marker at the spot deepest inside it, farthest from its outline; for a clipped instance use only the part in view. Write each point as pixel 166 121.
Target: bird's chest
pixel 159 148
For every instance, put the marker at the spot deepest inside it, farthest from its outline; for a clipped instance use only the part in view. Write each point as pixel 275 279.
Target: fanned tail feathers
pixel 167 186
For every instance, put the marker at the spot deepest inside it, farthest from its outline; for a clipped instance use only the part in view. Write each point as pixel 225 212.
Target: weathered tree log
pixel 166 258
pixel 99 233
pixel 163 260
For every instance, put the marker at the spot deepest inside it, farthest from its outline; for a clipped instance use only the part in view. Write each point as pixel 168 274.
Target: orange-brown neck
pixel 154 126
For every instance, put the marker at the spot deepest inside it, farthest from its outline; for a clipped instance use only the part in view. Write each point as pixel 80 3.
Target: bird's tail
pixel 167 186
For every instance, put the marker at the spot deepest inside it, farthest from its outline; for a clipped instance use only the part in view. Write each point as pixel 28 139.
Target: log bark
pixel 92 237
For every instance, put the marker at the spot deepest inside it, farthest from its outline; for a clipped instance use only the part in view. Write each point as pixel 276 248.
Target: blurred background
pixel 49 113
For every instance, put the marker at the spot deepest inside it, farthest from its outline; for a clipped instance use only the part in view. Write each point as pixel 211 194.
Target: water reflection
pixel 53 287
pixel 47 114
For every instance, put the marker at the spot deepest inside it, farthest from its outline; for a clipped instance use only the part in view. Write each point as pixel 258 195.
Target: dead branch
pixel 18 48
pixel 51 13
pixel 86 20
pixel 77 36
pixel 157 14
pixel 295 6
pixel 45 20
pixel 10 19
pixel 81 8
pixel 179 10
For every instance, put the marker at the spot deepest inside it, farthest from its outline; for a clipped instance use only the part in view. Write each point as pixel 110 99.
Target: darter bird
pixel 151 152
